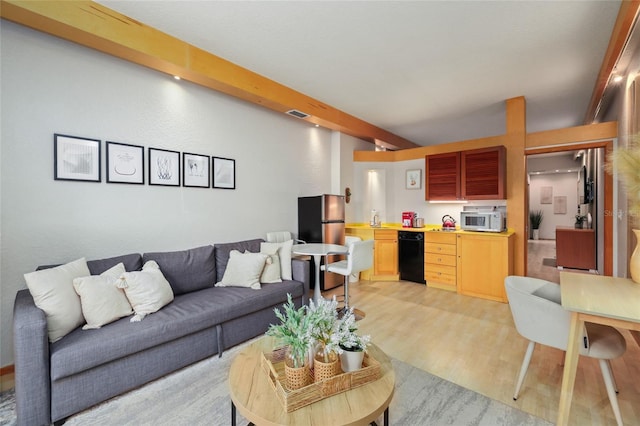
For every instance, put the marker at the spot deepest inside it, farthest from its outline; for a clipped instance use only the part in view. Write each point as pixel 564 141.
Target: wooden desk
pixel 575 248
pixel 596 299
pixel 252 394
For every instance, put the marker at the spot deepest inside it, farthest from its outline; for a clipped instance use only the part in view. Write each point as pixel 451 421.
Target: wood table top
pixel 256 400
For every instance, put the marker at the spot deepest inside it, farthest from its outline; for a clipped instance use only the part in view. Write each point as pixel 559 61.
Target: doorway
pixel 564 183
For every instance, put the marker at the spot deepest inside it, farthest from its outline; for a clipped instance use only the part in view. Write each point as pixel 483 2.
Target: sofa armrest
pixel 31 354
pixel 301 271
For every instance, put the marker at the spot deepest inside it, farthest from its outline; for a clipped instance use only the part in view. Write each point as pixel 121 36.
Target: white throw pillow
pixel 52 291
pixel 271 271
pixel 243 270
pixel 102 302
pixel 147 290
pixel 285 256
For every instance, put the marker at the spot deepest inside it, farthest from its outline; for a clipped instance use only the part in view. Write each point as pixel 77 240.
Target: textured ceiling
pixel 429 71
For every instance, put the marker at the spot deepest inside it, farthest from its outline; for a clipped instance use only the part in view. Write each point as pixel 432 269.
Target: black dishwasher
pixel 411 256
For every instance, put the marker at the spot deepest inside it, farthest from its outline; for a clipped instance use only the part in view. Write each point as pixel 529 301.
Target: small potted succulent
pixel 294 332
pixel 351 345
pixel 579 221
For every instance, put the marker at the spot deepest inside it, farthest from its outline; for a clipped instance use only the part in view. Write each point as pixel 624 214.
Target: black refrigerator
pixel 321 220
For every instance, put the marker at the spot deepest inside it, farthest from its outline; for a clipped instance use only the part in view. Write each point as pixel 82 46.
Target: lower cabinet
pixel 484 261
pixel 440 260
pixel 385 264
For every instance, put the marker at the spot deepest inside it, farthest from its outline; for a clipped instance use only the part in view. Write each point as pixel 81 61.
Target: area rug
pixel 197 395
pixel 547 261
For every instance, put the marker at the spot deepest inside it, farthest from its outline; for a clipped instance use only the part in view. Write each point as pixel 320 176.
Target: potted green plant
pixel 580 221
pixel 294 332
pixel 351 345
pixel 535 217
pixel 323 317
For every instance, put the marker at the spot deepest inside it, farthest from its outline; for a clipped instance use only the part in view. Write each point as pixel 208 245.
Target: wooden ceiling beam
pixel 627 16
pixel 96 26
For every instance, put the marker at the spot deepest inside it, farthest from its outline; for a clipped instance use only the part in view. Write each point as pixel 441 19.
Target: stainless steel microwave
pixel 494 221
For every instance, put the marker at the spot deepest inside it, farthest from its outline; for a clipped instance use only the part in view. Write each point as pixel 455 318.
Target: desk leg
pixel 570 366
pixel 317 295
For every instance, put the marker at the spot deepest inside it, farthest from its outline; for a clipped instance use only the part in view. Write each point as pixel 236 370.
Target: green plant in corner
pixel 535 217
pixel 293 331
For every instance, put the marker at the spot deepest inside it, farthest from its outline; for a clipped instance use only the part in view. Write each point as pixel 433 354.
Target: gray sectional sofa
pixel 86 367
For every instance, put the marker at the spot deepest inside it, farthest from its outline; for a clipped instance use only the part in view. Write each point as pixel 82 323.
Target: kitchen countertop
pixel 426 228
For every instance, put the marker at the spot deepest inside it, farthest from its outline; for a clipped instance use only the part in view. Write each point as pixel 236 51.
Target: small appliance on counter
pixel 374 221
pixel 408 218
pixel 484 219
pixel 448 223
pixel 418 222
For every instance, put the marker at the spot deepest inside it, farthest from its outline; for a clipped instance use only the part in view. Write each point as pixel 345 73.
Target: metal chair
pixel 540 318
pixel 359 258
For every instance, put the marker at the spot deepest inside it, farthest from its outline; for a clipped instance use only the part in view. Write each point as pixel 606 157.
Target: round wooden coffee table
pixel 253 396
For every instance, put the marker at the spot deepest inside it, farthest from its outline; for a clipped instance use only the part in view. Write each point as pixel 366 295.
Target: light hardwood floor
pixel 473 342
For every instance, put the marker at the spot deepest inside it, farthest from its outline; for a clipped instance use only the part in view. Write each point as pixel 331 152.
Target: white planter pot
pixel 536 234
pixel 351 360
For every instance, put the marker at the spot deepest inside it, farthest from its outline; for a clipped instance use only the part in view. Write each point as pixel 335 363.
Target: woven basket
pixel 326 370
pixel 297 377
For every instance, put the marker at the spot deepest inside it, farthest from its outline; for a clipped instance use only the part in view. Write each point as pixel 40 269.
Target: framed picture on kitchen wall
pixel 414 179
pixel 76 158
pixel 224 173
pixel 195 170
pixel 125 163
pixel 164 167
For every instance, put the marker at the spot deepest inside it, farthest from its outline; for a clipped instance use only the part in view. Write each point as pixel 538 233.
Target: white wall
pixel 563 184
pixel 49 85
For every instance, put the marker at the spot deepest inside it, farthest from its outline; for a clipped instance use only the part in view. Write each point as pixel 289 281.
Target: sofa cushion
pixel 188 313
pixel 222 252
pixel 271 271
pixel 243 270
pixel 187 270
pixel 102 302
pixel 52 291
pixel 131 262
pixel 284 252
pixel 147 290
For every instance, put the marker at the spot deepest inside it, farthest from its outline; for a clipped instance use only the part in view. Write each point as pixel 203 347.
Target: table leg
pixel 317 295
pixel 233 414
pixel 570 366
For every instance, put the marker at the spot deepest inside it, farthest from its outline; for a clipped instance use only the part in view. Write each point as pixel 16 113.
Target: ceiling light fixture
pixel 618 78
pixel 177 77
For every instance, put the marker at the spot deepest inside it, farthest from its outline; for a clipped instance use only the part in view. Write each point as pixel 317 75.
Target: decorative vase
pixel 351 360
pixel 536 234
pixel 325 370
pixel 296 375
pixel 634 260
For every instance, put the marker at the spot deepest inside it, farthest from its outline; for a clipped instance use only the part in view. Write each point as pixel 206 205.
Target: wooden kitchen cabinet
pixel 477 174
pixel 442 172
pixel 440 260
pixel 385 256
pixel 484 261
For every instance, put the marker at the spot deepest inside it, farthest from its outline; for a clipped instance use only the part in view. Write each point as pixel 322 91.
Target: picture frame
pixel 413 179
pixel 164 167
pixel 224 173
pixel 125 163
pixel 195 170
pixel 76 158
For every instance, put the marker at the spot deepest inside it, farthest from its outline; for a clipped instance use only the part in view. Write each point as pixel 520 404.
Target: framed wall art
pixel 414 179
pixel 125 163
pixel 195 170
pixel 76 158
pixel 224 173
pixel 164 167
